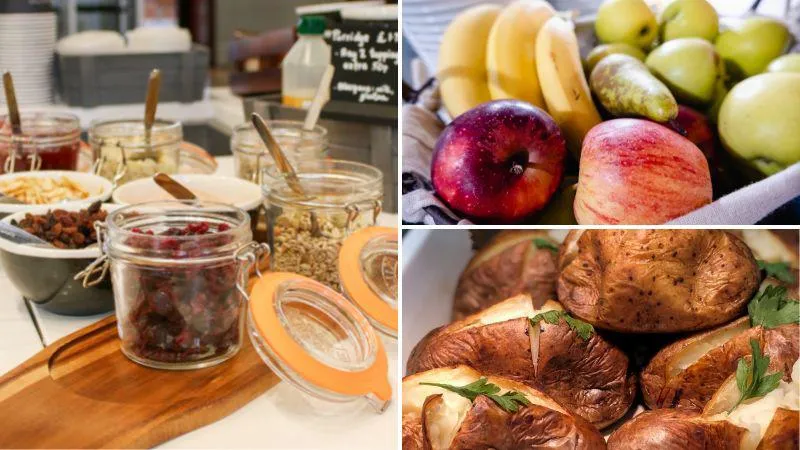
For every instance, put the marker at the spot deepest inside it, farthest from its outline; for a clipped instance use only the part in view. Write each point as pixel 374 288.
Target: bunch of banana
pixel 524 51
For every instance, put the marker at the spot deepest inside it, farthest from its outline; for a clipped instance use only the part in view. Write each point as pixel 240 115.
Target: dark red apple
pixel 695 127
pixel 499 162
pixel 635 171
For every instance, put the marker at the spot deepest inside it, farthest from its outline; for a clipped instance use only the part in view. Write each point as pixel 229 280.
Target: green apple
pixel 560 211
pixel 628 21
pixel 689 67
pixel 785 63
pixel 748 48
pixel 603 50
pixel 688 18
pixel 758 121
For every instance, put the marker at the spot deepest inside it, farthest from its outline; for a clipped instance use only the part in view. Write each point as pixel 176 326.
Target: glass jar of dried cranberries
pixel 49 141
pixel 178 271
pixel 305 232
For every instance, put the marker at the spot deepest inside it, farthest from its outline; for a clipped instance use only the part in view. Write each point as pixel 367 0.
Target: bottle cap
pixel 312 25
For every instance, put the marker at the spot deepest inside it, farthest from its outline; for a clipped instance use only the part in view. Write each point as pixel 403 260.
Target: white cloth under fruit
pixel 421 129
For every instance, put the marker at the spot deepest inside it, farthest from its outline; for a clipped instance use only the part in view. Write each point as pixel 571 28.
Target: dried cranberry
pixel 183 313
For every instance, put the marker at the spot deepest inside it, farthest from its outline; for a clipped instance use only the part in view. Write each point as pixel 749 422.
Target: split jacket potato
pixel 511 263
pixel 589 377
pixel 771 422
pixel 435 418
pixel 655 281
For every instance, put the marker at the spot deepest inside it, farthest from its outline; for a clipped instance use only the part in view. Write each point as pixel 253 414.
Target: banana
pixel 563 83
pixel 510 56
pixel 463 82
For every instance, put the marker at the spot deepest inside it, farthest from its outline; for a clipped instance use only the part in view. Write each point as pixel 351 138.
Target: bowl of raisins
pixel 45 274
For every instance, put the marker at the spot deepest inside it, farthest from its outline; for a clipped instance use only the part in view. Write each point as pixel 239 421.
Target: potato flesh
pixel 756 415
pixel 692 353
pixel 522 306
pixel 768 247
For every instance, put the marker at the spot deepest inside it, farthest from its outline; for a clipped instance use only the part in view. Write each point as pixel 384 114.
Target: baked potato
pixel 655 281
pixel 687 372
pixel 436 418
pixel 770 422
pixel 511 263
pixel 587 375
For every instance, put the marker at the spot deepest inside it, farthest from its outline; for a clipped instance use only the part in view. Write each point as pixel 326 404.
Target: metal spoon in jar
pixel 284 166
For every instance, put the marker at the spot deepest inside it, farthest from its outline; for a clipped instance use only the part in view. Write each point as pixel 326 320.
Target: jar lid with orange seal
pixel 315 339
pixel 368 275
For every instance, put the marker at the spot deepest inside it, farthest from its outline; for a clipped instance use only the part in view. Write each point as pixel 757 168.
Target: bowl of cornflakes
pixel 44 190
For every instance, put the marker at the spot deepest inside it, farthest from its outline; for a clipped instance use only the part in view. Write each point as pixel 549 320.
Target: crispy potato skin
pixel 510 264
pixel 675 429
pixel 694 386
pixel 656 281
pixel 486 427
pixel 783 432
pixel 413 437
pixel 591 378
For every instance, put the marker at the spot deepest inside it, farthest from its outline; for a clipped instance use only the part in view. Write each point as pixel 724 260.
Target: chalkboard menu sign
pixel 364 54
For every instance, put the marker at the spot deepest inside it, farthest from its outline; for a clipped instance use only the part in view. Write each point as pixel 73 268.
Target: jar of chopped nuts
pixel 305 231
pixel 251 158
pixel 122 152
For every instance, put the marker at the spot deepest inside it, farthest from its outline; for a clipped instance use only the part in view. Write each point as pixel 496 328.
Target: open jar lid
pixel 315 339
pixel 368 274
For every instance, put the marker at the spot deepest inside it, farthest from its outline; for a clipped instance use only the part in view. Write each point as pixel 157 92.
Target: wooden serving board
pixel 82 392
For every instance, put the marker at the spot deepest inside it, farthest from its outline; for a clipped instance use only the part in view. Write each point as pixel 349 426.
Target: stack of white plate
pixel 27 46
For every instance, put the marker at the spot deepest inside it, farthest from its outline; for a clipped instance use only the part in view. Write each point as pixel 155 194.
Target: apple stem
pixel 517 169
pixel 677 127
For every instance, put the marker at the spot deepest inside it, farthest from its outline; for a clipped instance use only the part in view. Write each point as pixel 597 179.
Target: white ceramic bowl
pixel 211 188
pixel 98 187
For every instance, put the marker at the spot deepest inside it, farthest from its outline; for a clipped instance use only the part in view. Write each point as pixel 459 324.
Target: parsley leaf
pixel 510 401
pixel 779 270
pixel 751 377
pixel 772 307
pixel 541 243
pixel 581 328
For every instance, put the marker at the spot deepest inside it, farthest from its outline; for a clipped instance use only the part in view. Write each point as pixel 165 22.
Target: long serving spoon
pixel 283 165
pixel 16 123
pixel 19 236
pixel 321 97
pixel 150 106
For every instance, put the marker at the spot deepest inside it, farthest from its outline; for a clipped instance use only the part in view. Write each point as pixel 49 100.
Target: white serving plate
pixel 99 188
pixel 211 188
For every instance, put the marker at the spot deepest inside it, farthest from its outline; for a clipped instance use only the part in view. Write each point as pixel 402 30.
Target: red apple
pixel 635 171
pixel 499 162
pixel 696 127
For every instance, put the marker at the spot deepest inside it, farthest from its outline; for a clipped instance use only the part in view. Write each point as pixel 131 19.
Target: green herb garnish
pixel 581 328
pixel 509 401
pixel 772 307
pixel 779 270
pixel 751 377
pixel 541 243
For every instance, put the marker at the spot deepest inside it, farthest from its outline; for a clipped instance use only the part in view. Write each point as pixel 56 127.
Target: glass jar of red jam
pixel 178 271
pixel 49 141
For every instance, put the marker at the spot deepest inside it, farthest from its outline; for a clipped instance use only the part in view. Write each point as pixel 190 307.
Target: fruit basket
pixel 731 181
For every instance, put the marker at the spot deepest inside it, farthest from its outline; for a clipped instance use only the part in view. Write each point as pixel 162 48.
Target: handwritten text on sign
pixel 365 56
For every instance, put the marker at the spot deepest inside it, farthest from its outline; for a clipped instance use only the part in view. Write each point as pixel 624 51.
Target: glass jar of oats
pixel 305 232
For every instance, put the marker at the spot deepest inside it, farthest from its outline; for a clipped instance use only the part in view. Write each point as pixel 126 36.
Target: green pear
pixel 560 211
pixel 785 63
pixel 603 50
pixel 626 88
pixel 748 48
pixel 720 92
pixel 628 21
pixel 689 67
pixel 758 121
pixel 688 18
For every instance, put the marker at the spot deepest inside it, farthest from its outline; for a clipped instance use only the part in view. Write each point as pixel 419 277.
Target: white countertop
pixel 281 418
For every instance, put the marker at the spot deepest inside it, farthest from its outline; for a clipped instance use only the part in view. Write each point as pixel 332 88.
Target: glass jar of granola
pixel 250 156
pixel 122 153
pixel 305 232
